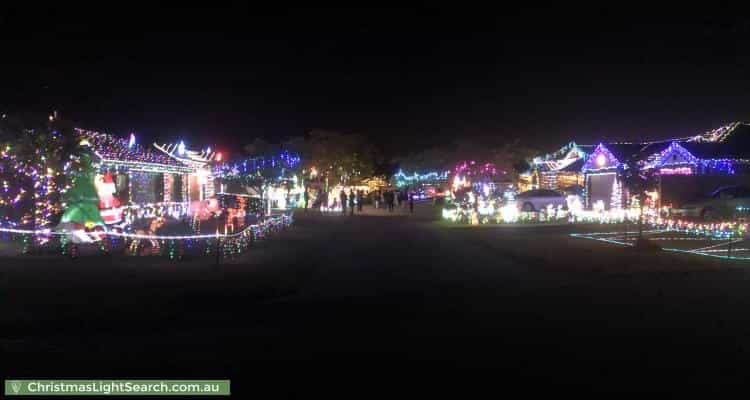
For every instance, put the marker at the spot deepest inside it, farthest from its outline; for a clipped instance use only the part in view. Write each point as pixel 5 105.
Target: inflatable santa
pixel 109 205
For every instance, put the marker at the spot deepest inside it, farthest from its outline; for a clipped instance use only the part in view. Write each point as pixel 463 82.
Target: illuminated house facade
pixel 134 177
pixel 602 184
pixel 687 168
pixel 559 171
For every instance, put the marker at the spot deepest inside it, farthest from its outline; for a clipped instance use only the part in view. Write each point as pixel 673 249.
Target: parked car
pixel 539 199
pixel 725 202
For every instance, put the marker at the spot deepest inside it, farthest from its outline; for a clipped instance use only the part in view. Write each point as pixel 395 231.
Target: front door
pixel 194 188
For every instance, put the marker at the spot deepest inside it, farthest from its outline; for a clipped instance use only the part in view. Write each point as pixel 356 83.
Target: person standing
pixel 306 197
pixel 360 199
pixel 411 203
pixel 391 200
pixel 352 197
pixel 376 199
pixel 342 197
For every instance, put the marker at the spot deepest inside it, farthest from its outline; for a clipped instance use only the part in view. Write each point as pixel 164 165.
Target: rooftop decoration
pixel 187 157
pixel 717 135
pixel 567 155
pixel 673 155
pixel 601 159
pixel 119 152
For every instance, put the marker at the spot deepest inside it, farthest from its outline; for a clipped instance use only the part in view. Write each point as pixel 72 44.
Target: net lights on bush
pixel 32 183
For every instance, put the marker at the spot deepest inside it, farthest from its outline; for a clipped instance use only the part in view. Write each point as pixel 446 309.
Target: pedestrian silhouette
pixel 342 196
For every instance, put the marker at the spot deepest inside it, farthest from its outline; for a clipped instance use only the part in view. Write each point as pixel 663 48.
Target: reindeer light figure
pixel 155 224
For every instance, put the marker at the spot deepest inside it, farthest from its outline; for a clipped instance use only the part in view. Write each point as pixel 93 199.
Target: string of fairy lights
pixel 228 244
pixel 285 160
pixel 403 179
pixel 32 186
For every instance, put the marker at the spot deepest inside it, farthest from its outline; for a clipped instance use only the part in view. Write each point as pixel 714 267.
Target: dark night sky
pixel 408 77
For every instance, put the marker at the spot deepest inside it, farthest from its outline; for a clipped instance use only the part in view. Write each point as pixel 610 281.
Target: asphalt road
pixel 385 306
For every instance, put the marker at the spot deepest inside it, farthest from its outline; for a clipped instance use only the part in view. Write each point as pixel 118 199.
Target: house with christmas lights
pixel 61 187
pixel 131 178
pixel 273 178
pixel 686 168
pixel 698 166
pixel 560 170
pixel 602 180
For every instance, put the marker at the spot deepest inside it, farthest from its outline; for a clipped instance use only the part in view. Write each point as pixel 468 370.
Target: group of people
pixel 391 199
pixel 353 199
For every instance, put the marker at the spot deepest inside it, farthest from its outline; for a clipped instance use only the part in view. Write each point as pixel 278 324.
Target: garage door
pixel 600 188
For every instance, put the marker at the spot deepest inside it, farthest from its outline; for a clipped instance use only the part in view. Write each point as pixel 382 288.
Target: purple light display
pixel 600 159
pixel 255 165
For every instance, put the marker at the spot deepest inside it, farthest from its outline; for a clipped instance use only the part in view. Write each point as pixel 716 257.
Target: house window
pixel 121 187
pixel 147 187
pixel 177 188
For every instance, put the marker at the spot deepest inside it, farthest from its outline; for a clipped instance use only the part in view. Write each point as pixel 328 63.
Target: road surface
pixel 380 305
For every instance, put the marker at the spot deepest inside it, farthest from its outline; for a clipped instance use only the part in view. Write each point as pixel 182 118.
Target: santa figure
pixel 203 210
pixel 108 203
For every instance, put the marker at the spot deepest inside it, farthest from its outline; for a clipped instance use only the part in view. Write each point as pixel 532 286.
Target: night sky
pixel 408 78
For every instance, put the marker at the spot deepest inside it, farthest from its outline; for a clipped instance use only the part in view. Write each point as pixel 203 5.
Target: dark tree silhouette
pixel 638 181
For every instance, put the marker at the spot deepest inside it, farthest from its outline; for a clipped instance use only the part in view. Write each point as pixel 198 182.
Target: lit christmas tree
pixel 615 202
pixel 82 200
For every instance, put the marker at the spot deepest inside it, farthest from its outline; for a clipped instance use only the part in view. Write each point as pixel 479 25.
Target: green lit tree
pixel 81 199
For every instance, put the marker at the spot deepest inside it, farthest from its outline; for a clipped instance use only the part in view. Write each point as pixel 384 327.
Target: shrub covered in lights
pixel 36 167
